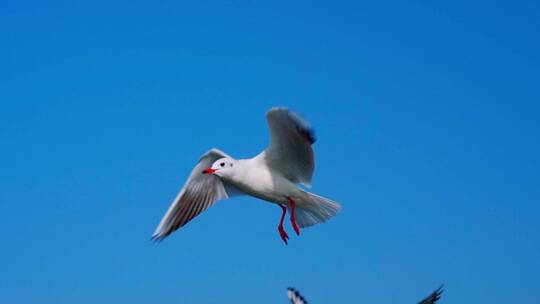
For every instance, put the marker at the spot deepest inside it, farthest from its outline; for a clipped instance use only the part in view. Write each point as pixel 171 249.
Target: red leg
pixel 281 230
pixel 293 217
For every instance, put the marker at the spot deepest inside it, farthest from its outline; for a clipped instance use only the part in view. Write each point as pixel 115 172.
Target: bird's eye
pixel 222 164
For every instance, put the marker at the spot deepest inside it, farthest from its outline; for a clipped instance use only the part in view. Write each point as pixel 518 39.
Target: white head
pixel 222 167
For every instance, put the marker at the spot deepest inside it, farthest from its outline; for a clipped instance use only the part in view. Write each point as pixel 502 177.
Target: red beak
pixel 209 171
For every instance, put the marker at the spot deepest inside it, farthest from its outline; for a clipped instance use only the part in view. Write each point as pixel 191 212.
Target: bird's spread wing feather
pixel 198 193
pixel 433 297
pixel 289 151
pixel 295 297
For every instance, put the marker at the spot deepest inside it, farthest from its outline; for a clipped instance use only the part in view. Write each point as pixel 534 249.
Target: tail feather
pixel 315 209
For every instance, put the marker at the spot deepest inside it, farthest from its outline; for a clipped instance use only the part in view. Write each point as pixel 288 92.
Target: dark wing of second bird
pixel 433 297
pixel 295 297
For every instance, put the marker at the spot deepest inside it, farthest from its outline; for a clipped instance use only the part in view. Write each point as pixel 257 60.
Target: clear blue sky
pixel 428 135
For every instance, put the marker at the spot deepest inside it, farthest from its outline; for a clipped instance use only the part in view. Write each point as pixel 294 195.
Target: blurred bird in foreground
pixel 296 298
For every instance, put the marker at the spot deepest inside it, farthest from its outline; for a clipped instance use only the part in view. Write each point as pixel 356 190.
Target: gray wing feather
pixel 198 193
pixel 290 151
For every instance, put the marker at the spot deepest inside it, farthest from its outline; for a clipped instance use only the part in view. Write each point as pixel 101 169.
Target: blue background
pixel 428 135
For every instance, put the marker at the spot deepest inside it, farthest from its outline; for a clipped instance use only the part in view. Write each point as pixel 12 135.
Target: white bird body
pixel 253 177
pixel 272 176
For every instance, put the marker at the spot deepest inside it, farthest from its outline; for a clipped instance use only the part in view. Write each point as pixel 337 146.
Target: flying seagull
pixel 272 176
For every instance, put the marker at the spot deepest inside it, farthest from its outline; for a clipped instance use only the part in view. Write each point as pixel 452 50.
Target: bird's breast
pixel 263 184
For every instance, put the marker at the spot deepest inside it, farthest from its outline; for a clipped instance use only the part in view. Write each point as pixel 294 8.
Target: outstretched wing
pixel 289 151
pixel 295 297
pixel 433 297
pixel 198 193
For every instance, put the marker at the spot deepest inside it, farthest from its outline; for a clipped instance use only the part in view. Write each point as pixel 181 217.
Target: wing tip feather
pixel 295 297
pixel 158 237
pixel 302 126
pixel 434 296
